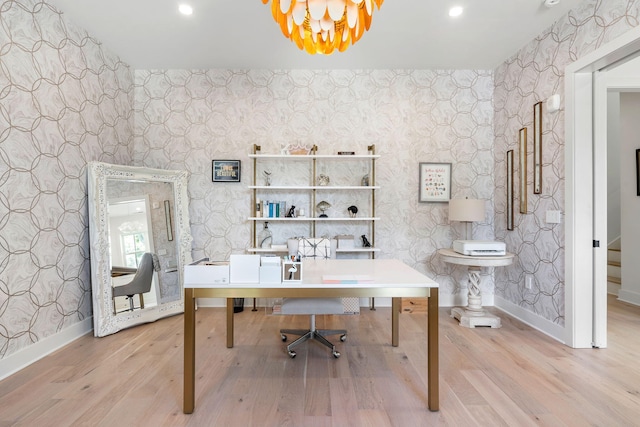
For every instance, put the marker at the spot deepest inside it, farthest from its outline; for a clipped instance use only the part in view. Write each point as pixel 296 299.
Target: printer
pixel 479 247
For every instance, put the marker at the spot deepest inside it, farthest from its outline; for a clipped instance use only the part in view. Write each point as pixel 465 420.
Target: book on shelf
pixel 274 209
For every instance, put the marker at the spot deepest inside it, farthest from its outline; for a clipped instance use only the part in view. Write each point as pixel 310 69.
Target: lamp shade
pixel 466 210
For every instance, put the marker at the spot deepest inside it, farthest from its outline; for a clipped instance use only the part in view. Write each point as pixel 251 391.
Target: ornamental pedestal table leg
pixel 474 315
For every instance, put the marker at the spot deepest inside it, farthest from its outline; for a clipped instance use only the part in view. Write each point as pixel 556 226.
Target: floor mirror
pixel 140 241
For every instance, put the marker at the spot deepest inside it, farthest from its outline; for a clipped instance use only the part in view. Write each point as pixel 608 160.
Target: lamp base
pixel 471 319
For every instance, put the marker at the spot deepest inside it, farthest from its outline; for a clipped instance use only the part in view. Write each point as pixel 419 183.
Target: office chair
pixel 140 284
pixel 312 248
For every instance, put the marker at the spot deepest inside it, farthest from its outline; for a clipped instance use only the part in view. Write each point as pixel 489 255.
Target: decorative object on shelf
pixel 346 153
pixel 322 207
pixel 537 148
pixel 265 237
pixel 467 211
pixel 353 210
pixel 323 27
pixel 292 212
pixel 365 181
pixel 225 171
pixel 522 154
pixel 510 190
pixel 267 178
pixel 297 149
pixel 323 180
pixel 301 213
pixel 365 242
pixel 434 182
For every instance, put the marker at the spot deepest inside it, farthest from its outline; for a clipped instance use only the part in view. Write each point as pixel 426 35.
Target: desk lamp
pixel 467 211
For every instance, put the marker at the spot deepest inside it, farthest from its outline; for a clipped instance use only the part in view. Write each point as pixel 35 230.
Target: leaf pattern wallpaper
pixel 65 100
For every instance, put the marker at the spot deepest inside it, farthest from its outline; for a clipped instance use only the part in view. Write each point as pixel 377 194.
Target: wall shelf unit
pixel 295 181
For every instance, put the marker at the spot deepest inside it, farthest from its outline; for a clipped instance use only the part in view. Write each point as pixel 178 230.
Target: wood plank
pixel 508 376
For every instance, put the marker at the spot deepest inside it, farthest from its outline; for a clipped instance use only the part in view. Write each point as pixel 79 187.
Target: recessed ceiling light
pixel 185 9
pixel 455 11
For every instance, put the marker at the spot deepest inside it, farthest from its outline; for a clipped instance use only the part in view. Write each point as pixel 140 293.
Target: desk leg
pixel 433 387
pixel 395 318
pixel 189 351
pixel 229 322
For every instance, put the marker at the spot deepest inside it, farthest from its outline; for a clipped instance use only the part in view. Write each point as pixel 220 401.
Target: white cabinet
pixel 306 180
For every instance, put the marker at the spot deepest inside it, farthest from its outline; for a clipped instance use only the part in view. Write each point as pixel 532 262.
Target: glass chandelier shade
pixel 322 26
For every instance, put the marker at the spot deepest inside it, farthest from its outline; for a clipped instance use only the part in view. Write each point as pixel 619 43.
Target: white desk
pixel 391 278
pixel 474 315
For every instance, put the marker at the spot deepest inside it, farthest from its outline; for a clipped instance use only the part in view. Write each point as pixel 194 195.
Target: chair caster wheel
pixel 343 338
pixel 283 338
pixel 292 354
pixel 336 354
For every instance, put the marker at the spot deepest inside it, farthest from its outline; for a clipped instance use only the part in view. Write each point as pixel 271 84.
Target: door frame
pixel 585 295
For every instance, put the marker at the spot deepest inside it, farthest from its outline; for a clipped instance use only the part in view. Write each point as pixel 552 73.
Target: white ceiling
pixel 241 34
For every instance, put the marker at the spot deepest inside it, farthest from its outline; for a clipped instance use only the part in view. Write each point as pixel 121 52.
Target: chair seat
pixel 312 306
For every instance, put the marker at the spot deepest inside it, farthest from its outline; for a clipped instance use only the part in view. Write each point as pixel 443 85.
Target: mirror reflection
pixel 134 263
pixel 139 240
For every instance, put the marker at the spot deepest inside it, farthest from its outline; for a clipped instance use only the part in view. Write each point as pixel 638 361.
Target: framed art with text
pixel 435 182
pixel 226 171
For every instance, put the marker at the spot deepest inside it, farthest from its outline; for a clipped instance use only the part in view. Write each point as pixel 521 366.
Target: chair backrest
pixel 317 248
pixel 141 282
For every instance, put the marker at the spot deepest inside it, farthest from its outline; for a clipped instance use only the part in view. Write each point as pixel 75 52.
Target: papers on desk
pixel 346 278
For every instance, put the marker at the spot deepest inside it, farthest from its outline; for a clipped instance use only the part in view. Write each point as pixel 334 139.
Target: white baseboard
pixel 630 297
pixel 551 329
pixel 25 357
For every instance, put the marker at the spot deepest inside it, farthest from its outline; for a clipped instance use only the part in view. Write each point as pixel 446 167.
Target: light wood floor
pixel 513 376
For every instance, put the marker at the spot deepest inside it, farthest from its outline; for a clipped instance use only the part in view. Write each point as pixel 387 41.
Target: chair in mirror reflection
pixel 139 285
pixel 312 248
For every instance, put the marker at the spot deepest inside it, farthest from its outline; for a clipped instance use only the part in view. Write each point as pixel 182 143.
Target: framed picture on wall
pixel 510 190
pixel 522 154
pixel 537 148
pixel 226 171
pixel 435 182
pixel 638 171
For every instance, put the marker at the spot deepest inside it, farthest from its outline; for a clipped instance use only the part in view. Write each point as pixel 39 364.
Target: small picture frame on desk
pixel 226 171
pixel 291 272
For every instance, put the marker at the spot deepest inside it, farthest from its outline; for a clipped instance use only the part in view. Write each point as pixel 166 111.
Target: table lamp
pixel 467 211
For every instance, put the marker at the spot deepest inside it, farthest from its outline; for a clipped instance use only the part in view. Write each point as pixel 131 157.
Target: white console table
pixel 473 314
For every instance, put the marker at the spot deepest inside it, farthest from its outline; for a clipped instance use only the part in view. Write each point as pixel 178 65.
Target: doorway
pixel 585 158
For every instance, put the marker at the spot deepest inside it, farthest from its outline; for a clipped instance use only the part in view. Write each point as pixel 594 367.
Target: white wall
pixel 613 167
pixel 630 202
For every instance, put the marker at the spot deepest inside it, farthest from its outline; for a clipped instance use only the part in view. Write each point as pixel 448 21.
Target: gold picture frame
pixel 510 190
pixel 522 153
pixel 537 148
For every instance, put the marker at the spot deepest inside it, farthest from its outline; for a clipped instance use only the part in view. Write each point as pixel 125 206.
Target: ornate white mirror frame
pixel 105 320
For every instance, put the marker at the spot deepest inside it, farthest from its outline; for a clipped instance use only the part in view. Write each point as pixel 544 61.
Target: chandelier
pixel 322 26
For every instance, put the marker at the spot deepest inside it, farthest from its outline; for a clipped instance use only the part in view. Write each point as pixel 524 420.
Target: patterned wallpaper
pixel 533 74
pixel 184 119
pixel 64 101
